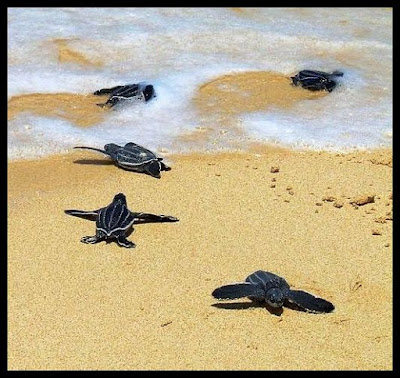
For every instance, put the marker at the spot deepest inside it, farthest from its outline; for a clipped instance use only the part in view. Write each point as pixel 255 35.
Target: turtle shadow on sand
pixel 107 162
pixel 247 305
pixel 94 162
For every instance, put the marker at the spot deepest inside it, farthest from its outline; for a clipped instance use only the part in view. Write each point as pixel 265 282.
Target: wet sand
pixel 220 102
pixel 67 54
pixel 78 306
pixel 78 108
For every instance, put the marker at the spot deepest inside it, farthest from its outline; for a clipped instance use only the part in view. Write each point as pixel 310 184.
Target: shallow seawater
pixel 221 76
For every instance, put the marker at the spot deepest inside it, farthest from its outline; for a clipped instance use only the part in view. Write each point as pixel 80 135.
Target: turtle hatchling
pixel 267 287
pixel 133 157
pixel 141 91
pixel 115 220
pixel 316 80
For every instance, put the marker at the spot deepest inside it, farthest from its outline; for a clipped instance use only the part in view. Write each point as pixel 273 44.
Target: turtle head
pixel 120 197
pixel 153 168
pixel 148 92
pixel 111 148
pixel 295 80
pixel 274 297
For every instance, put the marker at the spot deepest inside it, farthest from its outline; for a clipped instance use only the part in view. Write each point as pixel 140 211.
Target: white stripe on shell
pixel 256 275
pixel 127 216
pixel 239 283
pixel 109 233
pixel 120 214
pixel 112 215
pixel 103 215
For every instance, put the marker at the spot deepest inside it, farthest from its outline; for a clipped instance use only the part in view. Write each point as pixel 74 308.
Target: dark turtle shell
pixel 115 217
pixel 265 281
pixel 140 91
pixel 316 80
pixel 132 155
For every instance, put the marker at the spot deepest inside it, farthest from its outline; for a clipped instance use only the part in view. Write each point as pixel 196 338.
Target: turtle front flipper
pixel 113 100
pixel 153 168
pixel 109 103
pixel 295 80
pixel 93 149
pixel 89 215
pixel 152 218
pixel 337 73
pixel 308 302
pixel 330 85
pixel 92 239
pixel 164 167
pixel 235 291
pixel 124 242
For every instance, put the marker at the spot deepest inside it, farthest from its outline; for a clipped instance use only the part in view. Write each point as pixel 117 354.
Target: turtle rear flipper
pixel 308 302
pixel 103 105
pixel 90 215
pixel 124 242
pixel 235 291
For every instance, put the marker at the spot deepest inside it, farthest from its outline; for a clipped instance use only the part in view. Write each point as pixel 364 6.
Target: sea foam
pixel 178 50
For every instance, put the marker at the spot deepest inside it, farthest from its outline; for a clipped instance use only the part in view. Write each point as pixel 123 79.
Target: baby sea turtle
pixel 115 220
pixel 133 157
pixel 316 80
pixel 139 91
pixel 267 287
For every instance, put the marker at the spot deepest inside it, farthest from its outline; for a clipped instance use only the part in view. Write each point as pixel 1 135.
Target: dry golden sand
pixel 78 306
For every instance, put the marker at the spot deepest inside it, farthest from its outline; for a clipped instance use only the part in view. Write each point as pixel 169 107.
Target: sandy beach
pixel 323 221
pixel 78 306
